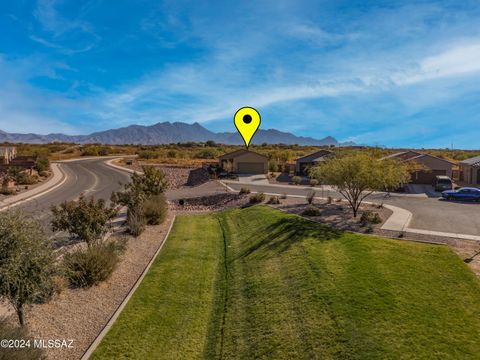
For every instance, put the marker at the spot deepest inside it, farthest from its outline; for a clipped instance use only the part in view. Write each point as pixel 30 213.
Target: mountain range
pixel 166 133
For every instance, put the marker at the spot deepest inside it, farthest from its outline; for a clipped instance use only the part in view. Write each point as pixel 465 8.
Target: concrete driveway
pixel 260 179
pixel 428 213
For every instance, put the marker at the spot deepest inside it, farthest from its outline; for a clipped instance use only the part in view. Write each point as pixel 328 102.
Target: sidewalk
pixel 57 180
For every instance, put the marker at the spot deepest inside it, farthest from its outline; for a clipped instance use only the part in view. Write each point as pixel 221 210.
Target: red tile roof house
pixel 304 163
pixel 470 171
pixel 433 166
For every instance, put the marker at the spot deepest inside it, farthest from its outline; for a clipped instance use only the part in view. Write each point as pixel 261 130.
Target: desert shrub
pixel 7 191
pixel 86 219
pixel 155 209
pixel 296 180
pixel 369 229
pixel 311 210
pixel 8 331
pixel 147 155
pixel 257 198
pixel 244 191
pixel 172 153
pixel 206 154
pixel 42 164
pixel 273 165
pixel 311 197
pixel 136 221
pixel 370 217
pixel 313 182
pixel 274 200
pixel 89 151
pixel 92 265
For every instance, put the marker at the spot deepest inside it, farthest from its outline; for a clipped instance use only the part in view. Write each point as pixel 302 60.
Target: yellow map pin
pixel 247 121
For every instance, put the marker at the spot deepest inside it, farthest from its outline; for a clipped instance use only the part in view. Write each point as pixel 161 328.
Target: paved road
pixel 91 177
pixel 428 213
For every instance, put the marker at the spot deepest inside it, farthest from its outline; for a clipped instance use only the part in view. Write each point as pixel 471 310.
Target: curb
pixel 121 168
pixel 398 221
pixel 25 198
pixel 120 308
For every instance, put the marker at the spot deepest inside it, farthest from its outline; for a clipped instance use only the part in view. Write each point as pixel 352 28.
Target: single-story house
pixel 432 165
pixel 470 170
pixel 244 162
pixel 304 163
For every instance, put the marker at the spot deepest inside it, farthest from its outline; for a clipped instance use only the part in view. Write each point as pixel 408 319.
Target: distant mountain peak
pixel 166 133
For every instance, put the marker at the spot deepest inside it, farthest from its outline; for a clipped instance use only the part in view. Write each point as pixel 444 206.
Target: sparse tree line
pixel 32 271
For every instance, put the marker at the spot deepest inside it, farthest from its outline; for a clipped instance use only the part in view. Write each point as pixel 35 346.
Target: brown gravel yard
pixel 80 314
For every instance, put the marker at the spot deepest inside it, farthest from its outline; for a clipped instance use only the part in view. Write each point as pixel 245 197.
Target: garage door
pixel 250 168
pixel 423 177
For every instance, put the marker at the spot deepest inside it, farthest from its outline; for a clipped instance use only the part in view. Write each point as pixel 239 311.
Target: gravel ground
pixel 337 214
pixel 80 314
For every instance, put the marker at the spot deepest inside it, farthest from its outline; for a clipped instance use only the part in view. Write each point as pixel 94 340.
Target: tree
pixel 42 164
pixel 357 176
pixel 141 188
pixel 86 219
pixel 27 262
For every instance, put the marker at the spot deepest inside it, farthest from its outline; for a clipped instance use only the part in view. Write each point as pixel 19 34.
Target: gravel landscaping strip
pixel 81 314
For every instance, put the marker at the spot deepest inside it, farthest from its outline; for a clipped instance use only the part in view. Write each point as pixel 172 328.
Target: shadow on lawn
pixel 284 233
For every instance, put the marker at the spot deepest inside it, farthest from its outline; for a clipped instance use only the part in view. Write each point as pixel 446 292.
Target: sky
pixel 389 73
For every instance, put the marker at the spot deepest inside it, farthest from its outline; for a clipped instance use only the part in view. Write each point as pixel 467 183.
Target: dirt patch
pixel 80 314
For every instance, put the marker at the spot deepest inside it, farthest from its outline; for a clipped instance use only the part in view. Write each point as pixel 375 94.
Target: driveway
pixel 428 213
pixel 253 179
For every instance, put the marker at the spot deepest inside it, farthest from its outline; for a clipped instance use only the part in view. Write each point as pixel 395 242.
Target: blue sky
pixel 374 72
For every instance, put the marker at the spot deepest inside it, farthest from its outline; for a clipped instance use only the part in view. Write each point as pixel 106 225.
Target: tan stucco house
pixel 244 162
pixel 304 163
pixel 470 171
pixel 432 165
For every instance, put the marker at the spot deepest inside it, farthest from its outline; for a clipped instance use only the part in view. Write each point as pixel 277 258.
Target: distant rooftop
pixel 475 161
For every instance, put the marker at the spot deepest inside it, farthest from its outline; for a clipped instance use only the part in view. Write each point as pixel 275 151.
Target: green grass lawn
pixel 257 283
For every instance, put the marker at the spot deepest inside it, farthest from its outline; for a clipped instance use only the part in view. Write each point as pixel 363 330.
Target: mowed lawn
pixel 257 283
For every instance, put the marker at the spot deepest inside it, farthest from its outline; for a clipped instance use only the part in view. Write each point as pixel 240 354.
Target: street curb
pixel 25 197
pixel 122 168
pixel 398 221
pixel 120 308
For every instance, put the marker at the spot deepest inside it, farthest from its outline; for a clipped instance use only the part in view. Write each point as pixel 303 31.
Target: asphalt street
pixel 91 177
pixel 428 213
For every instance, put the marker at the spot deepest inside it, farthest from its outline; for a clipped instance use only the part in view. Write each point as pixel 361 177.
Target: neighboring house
pixel 470 171
pixel 7 154
pixel 306 162
pixel 432 165
pixel 244 162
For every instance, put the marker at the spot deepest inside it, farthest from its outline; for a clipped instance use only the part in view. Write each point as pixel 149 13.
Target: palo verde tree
pixel 27 262
pixel 86 219
pixel 358 175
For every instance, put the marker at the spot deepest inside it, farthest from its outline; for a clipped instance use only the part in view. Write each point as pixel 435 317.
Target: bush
pixel 257 198
pixel 296 180
pixel 244 191
pixel 311 210
pixel 155 210
pixel 172 153
pixel 147 155
pixel 7 191
pixel 273 166
pixel 274 200
pixel 370 217
pixel 311 197
pixel 313 182
pixel 42 164
pixel 90 266
pixel 136 221
pixel 206 154
pixel 8 331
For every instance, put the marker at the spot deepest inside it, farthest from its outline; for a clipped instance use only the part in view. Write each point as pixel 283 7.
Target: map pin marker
pixel 247 121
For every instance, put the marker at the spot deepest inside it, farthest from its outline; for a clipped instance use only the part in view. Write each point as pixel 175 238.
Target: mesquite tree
pixel 27 262
pixel 357 176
